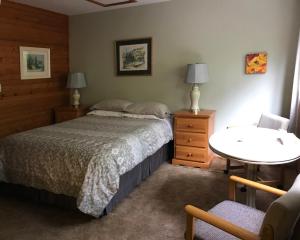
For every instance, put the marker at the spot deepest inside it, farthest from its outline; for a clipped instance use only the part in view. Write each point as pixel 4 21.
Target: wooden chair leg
pixel 190 231
pixel 226 171
pixel 231 190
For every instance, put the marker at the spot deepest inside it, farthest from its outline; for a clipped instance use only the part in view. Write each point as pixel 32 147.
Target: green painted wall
pixel 217 32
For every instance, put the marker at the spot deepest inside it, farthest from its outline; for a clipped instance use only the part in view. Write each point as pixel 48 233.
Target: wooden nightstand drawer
pixel 191 125
pixel 191 134
pixel 61 117
pixel 191 139
pixel 65 113
pixel 191 153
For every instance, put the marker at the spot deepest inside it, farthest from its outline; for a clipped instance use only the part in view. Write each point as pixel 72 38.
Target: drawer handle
pixel 189 140
pixel 190 125
pixel 189 155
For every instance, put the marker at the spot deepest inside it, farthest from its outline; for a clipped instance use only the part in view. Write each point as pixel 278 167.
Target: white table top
pixel 256 145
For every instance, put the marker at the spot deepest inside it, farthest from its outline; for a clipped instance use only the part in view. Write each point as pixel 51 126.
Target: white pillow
pixel 140 116
pixel 105 113
pixel 118 105
pixel 157 109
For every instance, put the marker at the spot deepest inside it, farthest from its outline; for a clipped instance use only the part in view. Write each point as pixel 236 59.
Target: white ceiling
pixel 74 7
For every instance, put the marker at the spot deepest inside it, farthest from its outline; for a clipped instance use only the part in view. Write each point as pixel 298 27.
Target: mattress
pixel 83 158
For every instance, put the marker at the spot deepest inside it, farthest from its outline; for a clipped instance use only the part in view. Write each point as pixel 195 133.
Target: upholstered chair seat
pixel 234 212
pixel 230 220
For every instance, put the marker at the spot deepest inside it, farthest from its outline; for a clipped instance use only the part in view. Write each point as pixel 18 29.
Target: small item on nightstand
pixel 191 138
pixel 76 81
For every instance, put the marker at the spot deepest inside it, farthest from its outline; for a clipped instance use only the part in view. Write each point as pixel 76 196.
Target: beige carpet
pixel 153 211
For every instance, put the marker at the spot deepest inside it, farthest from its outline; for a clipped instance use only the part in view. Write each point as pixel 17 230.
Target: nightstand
pixel 191 138
pixel 65 113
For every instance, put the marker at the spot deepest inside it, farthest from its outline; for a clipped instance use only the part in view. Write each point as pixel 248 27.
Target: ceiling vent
pixel 109 3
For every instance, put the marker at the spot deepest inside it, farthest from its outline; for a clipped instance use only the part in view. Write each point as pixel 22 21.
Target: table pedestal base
pixel 251 192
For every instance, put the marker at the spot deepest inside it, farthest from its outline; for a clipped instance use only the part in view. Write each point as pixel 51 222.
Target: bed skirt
pixel 128 182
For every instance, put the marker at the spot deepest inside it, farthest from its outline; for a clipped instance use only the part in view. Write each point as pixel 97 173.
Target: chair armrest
pixel 221 223
pixel 256 185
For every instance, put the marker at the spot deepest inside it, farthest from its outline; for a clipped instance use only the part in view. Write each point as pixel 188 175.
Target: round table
pixel 255 146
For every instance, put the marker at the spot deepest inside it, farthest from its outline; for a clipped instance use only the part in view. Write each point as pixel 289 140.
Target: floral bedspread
pixel 83 158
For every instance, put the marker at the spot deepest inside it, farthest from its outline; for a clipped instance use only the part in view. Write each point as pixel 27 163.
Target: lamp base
pixel 76 98
pixel 195 111
pixel 195 96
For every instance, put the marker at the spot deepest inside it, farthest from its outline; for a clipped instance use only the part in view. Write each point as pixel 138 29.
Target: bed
pixel 96 159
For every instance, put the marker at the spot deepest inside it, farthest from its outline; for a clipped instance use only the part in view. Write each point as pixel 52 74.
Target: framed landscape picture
pixel 35 63
pixel 256 63
pixel 134 57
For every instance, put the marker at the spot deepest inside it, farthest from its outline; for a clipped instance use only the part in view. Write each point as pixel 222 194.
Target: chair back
pixel 282 217
pixel 272 121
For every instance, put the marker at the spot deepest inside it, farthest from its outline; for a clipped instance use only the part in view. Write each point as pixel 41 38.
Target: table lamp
pixel 76 81
pixel 196 73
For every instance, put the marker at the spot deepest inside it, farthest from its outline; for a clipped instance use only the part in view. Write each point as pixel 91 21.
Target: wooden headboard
pixel 27 104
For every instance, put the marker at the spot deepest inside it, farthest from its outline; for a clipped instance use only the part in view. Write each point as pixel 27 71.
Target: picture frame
pixel 256 63
pixel 35 63
pixel 134 57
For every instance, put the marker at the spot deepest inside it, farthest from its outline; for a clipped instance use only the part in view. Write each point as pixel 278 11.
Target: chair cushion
pixel 283 214
pixel 236 213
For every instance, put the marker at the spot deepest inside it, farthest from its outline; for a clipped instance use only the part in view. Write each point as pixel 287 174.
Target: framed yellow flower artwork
pixel 256 63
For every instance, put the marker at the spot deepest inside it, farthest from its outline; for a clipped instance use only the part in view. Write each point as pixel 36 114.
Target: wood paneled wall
pixel 26 104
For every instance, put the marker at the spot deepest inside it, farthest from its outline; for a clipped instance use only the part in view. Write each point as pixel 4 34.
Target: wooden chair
pixel 230 220
pixel 267 120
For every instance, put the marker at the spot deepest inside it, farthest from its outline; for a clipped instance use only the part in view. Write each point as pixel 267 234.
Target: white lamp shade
pixel 197 73
pixel 76 80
